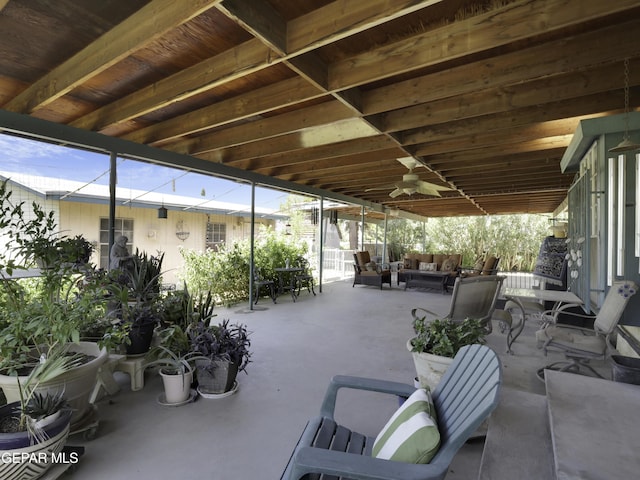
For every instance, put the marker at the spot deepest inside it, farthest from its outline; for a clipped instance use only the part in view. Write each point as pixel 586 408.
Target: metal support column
pixel 362 229
pixel 384 239
pixel 321 245
pixel 252 244
pixel 113 178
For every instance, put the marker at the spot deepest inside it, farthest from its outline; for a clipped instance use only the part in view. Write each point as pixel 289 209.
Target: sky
pixel 48 160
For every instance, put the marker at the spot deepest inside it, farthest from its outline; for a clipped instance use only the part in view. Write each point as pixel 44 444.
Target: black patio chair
pixel 304 278
pixel 259 283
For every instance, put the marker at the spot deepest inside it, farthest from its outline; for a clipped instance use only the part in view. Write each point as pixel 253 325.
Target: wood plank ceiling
pixel 328 94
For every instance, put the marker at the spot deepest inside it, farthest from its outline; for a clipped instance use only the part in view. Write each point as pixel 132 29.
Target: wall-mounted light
pixel 287 229
pixel 181 233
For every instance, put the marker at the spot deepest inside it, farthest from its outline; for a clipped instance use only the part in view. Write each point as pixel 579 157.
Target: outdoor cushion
pixel 448 265
pixel 363 258
pixel 489 265
pixel 428 267
pixel 477 268
pixel 439 258
pixel 411 435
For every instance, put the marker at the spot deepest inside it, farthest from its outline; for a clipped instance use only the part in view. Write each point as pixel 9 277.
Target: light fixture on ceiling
pixel 626 145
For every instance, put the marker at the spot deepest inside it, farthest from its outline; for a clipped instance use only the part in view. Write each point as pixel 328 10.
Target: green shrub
pixel 225 273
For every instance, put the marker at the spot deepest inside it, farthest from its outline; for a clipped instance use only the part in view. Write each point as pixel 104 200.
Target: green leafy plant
pixel 75 250
pixel 53 308
pixel 35 405
pixel 221 342
pixel 225 273
pixel 444 337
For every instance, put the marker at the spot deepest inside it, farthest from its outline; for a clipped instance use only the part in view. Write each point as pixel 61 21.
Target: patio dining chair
pixel 421 438
pixel 260 283
pixel 304 279
pixel 579 344
pixel 472 297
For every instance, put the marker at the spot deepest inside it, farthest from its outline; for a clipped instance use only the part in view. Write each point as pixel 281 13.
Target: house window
pixel 216 235
pixel 122 226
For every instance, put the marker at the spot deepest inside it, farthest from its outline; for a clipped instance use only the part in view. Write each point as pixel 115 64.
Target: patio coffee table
pixel 426 279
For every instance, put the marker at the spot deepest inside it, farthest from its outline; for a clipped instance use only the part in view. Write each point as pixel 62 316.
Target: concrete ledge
pixel 518 443
pixel 594 426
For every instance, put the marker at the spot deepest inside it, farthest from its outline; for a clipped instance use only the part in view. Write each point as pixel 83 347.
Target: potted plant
pixel 221 351
pixel 437 342
pixel 51 309
pixel 134 300
pixel 37 425
pixel 176 372
pixel 144 276
pixel 75 250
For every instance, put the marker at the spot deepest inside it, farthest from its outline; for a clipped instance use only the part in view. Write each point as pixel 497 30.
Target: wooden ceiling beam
pixel 518 134
pixel 375 163
pixel 578 52
pixel 237 62
pixel 543 157
pixel 372 161
pixel 577 108
pixel 249 57
pixel 321 155
pixel 141 28
pixel 341 19
pixel 512 23
pixel 540 91
pixel 322 114
pixel 506 148
pixel 512 170
pixel 257 102
pixel 260 19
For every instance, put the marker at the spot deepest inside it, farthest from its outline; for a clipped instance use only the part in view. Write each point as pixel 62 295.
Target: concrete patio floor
pixel 297 347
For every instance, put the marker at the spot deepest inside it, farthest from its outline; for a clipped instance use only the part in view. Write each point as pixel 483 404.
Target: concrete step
pixel 518 443
pixel 594 426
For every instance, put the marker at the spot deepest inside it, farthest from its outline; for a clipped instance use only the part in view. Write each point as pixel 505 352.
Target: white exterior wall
pixel 150 233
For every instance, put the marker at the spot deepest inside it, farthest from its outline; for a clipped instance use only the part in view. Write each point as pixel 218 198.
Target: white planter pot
pixel 177 387
pixel 429 368
pixel 77 384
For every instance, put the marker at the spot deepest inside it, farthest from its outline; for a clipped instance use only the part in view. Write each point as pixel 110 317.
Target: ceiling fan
pixel 411 183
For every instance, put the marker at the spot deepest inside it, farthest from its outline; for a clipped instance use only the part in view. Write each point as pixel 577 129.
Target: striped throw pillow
pixel 411 435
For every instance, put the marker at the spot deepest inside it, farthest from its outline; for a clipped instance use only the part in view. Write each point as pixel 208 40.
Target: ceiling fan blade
pixel 409 162
pixel 432 186
pixel 428 191
pixel 385 187
pixel 396 192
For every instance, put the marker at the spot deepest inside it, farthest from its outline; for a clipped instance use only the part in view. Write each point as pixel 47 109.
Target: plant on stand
pixel 436 343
